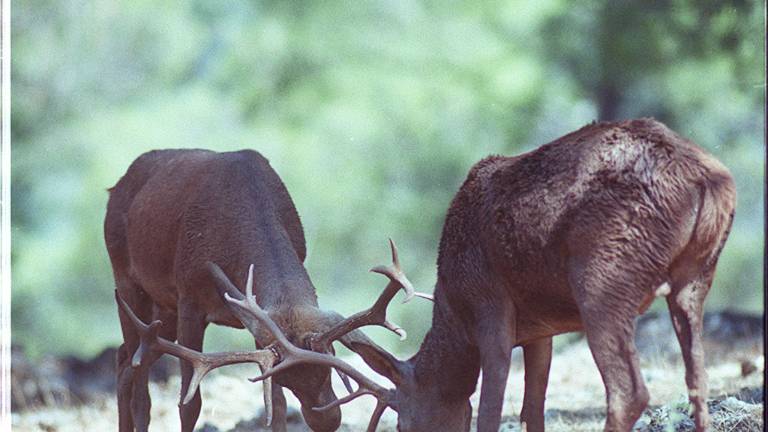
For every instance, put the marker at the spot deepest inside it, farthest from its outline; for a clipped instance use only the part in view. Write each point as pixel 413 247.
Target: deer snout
pixel 328 420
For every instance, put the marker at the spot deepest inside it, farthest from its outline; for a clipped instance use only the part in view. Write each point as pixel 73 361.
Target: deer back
pixel 174 210
pixel 607 186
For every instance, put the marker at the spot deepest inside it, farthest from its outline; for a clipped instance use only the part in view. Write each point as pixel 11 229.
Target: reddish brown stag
pixel 580 234
pixel 180 224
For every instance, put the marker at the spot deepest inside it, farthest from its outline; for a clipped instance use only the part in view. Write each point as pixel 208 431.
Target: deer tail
pixel 718 203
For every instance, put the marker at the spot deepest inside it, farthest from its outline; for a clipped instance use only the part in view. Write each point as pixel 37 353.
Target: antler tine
pixel 425 296
pixel 249 283
pixel 201 363
pixel 395 273
pixel 344 380
pixel 246 309
pixel 148 334
pixel 381 405
pixel 348 398
pixel 302 356
pixel 376 314
pixel 395 258
pixel 365 385
pixel 267 384
pixel 138 323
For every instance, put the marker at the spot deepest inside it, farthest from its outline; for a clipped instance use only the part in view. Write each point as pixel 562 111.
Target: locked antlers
pixel 282 354
pixel 251 314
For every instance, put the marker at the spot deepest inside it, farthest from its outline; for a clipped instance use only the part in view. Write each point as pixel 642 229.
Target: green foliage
pixel 372 112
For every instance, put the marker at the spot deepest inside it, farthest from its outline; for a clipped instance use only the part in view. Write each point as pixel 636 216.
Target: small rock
pixel 747 367
pixel 207 427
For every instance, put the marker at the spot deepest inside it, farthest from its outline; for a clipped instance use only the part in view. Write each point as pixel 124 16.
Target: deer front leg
pixel 191 329
pixel 279 409
pixel 133 294
pixel 495 339
pixel 538 358
pixel 141 403
pixel 124 387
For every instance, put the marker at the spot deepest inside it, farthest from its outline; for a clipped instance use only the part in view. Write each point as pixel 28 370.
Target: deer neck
pixel 447 358
pixel 286 290
pixel 280 278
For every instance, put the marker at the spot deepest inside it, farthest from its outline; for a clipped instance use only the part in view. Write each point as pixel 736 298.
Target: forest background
pixel 372 112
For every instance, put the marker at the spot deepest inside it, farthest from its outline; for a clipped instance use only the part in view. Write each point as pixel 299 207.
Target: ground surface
pixel 575 398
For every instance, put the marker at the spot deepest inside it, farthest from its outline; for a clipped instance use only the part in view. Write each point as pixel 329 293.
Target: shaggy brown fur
pixel 578 234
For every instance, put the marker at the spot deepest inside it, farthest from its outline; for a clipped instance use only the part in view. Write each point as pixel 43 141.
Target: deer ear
pixel 376 357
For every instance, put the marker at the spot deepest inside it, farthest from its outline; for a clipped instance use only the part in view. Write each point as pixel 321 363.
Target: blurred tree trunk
pixel 608 100
pixel 612 18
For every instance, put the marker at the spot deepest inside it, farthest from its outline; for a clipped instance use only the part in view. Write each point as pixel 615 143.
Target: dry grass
pixel 575 400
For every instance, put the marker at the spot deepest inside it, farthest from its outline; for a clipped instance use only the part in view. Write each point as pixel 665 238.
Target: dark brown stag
pixel 580 234
pixel 178 222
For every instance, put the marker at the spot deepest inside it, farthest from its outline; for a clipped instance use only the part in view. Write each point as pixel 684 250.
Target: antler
pixel 292 355
pixel 201 363
pixel 376 314
pixel 248 310
pixel 251 314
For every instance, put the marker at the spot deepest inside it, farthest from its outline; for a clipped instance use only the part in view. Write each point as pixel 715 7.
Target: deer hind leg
pixel 133 294
pixel 191 330
pixel 538 358
pixel 686 307
pixel 495 340
pixel 611 340
pixel 141 403
pixel 613 348
pixel 609 294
